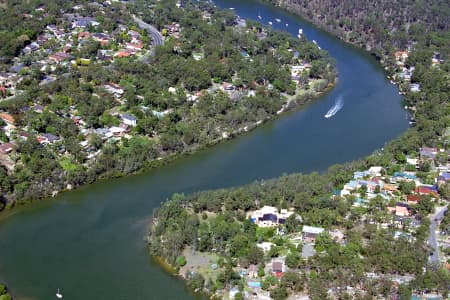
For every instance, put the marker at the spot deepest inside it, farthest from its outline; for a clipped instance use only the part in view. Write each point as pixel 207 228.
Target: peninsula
pixel 91 91
pixel 371 228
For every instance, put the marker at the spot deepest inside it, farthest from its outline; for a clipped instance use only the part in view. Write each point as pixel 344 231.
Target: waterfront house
pixel 269 216
pixel 375 171
pixel 401 56
pixel 414 87
pixel 360 174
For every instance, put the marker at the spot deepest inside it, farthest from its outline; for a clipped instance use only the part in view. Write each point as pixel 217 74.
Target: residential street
pixel 157 38
pixel 432 241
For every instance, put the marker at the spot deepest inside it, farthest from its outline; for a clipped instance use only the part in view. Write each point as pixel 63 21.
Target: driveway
pixel 432 241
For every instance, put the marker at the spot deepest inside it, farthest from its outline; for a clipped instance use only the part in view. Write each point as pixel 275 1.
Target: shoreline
pixel 290 105
pixel 292 9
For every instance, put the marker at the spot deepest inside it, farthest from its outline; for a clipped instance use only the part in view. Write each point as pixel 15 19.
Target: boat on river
pixel 335 108
pixel 58 294
pixel 278 20
pixel 300 32
pixel 270 22
pixel 315 43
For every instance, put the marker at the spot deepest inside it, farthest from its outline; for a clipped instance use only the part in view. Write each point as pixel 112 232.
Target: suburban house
pixel 135 46
pixel 269 216
pixel 59 57
pixel 427 190
pixel 278 267
pixel 117 131
pixel 47 138
pixel 102 38
pixel 427 152
pixel 337 235
pixel 444 177
pixel 401 56
pixel 83 22
pixel 252 271
pixel 309 233
pixel 400 209
pixel 129 120
pixel 84 35
pixel 413 199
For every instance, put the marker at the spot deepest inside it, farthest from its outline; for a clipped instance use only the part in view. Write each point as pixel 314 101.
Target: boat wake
pixel 335 108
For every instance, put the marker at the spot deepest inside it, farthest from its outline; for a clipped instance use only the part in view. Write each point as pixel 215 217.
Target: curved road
pixel 157 38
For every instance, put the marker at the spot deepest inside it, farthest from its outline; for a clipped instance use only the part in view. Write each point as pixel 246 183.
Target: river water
pixel 90 242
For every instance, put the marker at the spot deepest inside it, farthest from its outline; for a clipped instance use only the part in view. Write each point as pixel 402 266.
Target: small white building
pixel 375 171
pixel 129 120
pixel 265 246
pixel 114 89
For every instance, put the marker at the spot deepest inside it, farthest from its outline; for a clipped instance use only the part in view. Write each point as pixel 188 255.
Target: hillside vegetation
pixel 380 25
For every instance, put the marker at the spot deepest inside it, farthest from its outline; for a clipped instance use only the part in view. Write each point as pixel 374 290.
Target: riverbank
pixel 297 101
pixel 242 104
pixel 4 295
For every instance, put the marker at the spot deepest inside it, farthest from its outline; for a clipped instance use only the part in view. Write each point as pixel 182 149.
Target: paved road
pixel 432 241
pixel 157 38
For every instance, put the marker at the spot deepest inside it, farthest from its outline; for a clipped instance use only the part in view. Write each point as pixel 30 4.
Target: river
pixel 90 242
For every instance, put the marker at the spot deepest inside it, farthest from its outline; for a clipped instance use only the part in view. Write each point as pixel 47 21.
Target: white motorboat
pixel 58 294
pixel 335 108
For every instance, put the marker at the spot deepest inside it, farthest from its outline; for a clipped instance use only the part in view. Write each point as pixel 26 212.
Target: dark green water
pixel 90 243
